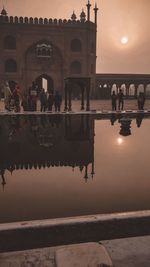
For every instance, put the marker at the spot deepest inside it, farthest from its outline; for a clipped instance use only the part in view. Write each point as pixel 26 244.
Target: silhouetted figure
pixel 2 172
pixel 7 96
pixel 113 119
pixel 141 101
pixel 43 100
pixel 114 101
pixel 16 97
pixel 57 101
pixel 120 100
pixel 33 97
pixel 25 102
pixel 139 119
pixel 50 101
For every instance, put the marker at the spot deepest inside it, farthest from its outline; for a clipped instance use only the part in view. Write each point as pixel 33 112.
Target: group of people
pixel 120 99
pixel 13 99
pixel 48 100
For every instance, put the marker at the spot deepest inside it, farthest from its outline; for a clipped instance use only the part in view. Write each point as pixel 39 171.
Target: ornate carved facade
pixel 32 49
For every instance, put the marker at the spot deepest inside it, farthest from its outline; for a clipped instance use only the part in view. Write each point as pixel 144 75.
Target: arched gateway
pixel 46 82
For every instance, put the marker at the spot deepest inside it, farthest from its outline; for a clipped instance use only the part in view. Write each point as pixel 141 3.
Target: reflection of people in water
pixel 139 119
pixel 14 126
pixel 114 100
pixel 2 172
pixel 113 119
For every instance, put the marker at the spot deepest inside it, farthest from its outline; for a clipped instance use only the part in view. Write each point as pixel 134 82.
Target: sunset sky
pixel 116 19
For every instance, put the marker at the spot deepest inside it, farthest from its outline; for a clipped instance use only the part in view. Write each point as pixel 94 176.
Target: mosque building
pixel 47 51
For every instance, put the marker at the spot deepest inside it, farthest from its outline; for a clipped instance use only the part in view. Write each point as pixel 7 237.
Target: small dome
pixel 3 12
pixel 73 17
pixel 82 15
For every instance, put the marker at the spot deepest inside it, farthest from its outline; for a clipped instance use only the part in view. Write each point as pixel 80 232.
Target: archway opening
pixel 46 82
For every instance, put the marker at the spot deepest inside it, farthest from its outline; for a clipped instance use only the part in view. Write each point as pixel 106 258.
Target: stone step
pixel 83 255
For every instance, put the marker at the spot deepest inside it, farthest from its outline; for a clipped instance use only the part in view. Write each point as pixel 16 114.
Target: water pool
pixel 69 165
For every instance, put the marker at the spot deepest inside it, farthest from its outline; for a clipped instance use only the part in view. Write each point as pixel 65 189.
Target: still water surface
pixel 61 166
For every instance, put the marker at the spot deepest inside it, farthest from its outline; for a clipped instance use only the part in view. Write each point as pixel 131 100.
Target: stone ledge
pixel 56 232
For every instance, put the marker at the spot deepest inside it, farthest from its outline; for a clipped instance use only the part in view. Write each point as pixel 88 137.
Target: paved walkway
pixel 128 252
pixel 97 104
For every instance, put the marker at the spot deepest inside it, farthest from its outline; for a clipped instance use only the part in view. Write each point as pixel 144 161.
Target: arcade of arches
pixel 131 84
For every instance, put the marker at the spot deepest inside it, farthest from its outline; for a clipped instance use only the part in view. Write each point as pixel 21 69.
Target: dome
pixel 82 15
pixel 73 17
pixel 3 12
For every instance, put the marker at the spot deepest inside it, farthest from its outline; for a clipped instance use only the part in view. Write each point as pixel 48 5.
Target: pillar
pixel 82 97
pixel 66 96
pixel 70 92
pixel 88 95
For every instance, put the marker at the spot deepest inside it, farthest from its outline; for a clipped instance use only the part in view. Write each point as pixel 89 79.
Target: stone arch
pixel 10 65
pixel 49 65
pixel 76 45
pixel 75 67
pixel 10 42
pixel 140 88
pixel 50 82
pixel 147 90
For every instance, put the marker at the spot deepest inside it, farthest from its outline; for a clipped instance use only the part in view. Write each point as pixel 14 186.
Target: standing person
pixel 120 100
pixel 57 101
pixel 33 94
pixel 7 96
pixel 50 101
pixel 16 96
pixel 114 101
pixel 141 101
pixel 43 100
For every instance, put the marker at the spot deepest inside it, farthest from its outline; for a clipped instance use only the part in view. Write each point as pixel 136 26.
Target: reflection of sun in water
pixel 124 40
pixel 120 140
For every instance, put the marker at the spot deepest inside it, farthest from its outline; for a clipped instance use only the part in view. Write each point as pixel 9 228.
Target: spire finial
pixel 95 11
pixel 88 10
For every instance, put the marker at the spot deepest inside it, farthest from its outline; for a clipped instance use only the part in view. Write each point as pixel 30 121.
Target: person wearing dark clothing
pixel 141 101
pixel 43 100
pixel 114 101
pixel 50 101
pixel 16 97
pixel 120 100
pixel 57 101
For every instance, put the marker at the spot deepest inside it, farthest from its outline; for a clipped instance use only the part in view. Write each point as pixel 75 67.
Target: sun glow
pixel 120 141
pixel 124 40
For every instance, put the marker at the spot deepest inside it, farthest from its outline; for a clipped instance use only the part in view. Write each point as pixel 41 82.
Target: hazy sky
pixel 116 18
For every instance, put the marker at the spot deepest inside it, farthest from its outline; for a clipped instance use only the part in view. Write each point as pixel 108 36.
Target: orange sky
pixel 116 18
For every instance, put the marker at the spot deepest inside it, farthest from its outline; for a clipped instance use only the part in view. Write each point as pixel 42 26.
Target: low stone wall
pixel 36 234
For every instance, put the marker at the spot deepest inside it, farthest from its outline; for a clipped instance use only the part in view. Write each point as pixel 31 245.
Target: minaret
pixel 88 10
pixel 95 11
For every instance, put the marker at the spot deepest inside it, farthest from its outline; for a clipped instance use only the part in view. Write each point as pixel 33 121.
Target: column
pixel 66 96
pixel 70 92
pixel 82 97
pixel 136 88
pixel 88 95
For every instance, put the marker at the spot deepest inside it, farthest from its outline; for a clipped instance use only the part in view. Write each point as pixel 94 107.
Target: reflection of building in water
pixel 125 126
pixel 47 140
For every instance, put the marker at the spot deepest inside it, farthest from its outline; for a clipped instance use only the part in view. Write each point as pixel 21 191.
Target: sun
pixel 124 40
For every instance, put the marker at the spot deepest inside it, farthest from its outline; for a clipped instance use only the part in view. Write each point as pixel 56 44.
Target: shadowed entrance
pixel 46 82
